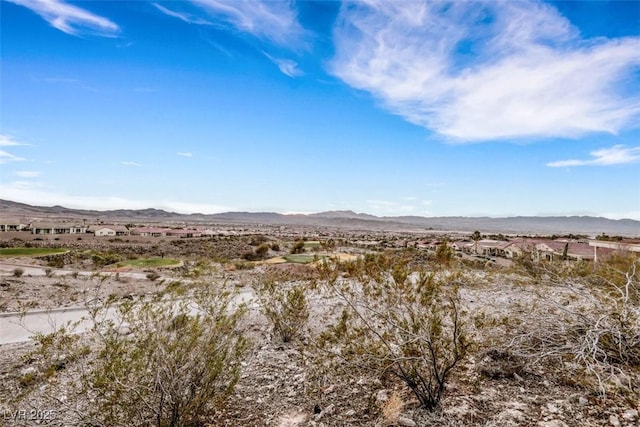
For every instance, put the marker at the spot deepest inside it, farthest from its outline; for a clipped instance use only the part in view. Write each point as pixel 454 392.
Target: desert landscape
pixel 312 213
pixel 315 325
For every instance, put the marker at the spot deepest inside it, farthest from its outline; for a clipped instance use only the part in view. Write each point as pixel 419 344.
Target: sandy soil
pixel 275 389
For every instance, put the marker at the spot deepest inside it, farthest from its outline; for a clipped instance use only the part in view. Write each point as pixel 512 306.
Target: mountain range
pixel 342 219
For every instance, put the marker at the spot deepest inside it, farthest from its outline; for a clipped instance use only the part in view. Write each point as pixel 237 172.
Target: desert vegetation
pixel 390 337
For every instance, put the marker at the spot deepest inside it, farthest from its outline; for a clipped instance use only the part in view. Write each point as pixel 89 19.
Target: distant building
pixel 463 246
pixel 518 247
pixel 489 247
pixel 150 232
pixel 13 224
pixel 183 233
pixel 603 247
pixel 108 230
pixel 53 228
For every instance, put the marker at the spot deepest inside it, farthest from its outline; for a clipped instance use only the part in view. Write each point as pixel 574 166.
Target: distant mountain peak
pixel 343 214
pixel 348 219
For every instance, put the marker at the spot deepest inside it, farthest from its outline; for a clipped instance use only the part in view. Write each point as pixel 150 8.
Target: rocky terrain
pixel 518 371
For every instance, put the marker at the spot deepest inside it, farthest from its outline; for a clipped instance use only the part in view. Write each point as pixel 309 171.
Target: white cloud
pixel 65 81
pixel 36 194
pixel 8 141
pixel 134 164
pixel 185 154
pixel 28 174
pixel 59 80
pixel 286 66
pixel 21 186
pixel 273 20
pixel 186 17
pixel 616 155
pixel 480 71
pixel 5 156
pixel 68 18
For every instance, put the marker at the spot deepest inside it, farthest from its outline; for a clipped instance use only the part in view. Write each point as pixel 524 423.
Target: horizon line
pixel 159 207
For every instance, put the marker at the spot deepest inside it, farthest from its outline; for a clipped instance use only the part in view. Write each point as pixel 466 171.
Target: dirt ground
pixel 275 390
pixel 68 289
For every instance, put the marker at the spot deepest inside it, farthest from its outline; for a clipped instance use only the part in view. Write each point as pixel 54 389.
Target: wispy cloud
pixel 28 174
pixel 482 71
pixel 276 21
pixel 185 154
pixel 9 141
pixel 59 80
pixel 186 17
pixel 5 156
pixel 616 155
pixel 70 19
pixel 134 164
pixel 286 66
pixel 65 81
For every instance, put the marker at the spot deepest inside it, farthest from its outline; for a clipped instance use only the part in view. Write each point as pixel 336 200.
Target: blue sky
pixel 385 107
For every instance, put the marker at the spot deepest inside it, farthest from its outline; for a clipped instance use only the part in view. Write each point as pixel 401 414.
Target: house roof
pixel 13 221
pixel 94 228
pixel 183 231
pixel 150 230
pixel 580 249
pixel 485 243
pixel 55 225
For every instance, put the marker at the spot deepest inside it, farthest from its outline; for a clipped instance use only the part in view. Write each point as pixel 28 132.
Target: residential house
pixel 603 247
pixel 183 233
pixel 463 246
pixel 108 230
pixel 57 228
pixel 489 247
pixel 12 224
pixel 564 250
pixel 150 232
pixel 518 247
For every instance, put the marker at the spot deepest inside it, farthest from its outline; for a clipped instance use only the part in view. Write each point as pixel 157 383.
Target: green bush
pixel 285 306
pixel 173 367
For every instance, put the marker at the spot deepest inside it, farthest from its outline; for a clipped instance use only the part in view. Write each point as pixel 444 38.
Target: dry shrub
pixel 285 305
pixel 164 361
pixel 402 327
pixel 596 339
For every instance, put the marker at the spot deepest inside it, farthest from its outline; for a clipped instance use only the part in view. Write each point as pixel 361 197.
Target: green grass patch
pixel 312 244
pixel 148 263
pixel 33 252
pixel 302 258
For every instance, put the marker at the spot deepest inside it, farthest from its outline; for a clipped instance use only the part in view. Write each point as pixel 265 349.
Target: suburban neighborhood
pixel 508 247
